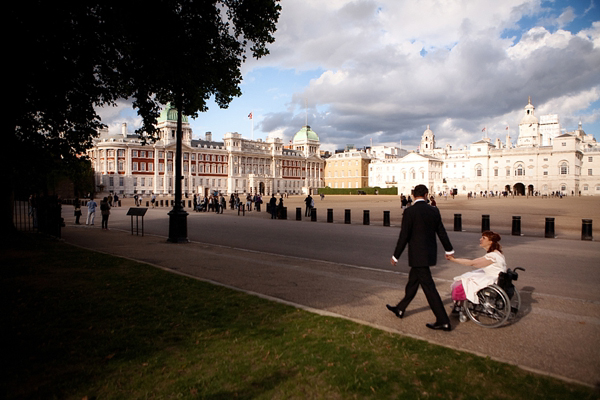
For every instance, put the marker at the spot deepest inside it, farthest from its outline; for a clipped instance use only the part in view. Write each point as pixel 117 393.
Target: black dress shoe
pixel 395 310
pixel 438 327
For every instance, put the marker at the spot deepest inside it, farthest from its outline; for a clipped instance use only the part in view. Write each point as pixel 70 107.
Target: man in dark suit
pixel 420 224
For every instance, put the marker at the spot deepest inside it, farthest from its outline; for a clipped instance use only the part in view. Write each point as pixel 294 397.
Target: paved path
pixel 344 269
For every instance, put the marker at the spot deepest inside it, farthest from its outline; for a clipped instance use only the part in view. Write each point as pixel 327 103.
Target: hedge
pixel 367 190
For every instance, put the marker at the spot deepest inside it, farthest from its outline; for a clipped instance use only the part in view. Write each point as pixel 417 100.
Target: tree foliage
pixel 70 57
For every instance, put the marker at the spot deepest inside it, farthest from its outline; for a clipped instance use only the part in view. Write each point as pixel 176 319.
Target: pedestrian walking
pixel 420 225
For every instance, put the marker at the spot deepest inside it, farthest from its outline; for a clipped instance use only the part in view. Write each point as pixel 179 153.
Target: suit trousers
pixel 422 276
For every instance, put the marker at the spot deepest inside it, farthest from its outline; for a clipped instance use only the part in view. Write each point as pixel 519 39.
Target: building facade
pixel 543 162
pixel 347 170
pixel 124 164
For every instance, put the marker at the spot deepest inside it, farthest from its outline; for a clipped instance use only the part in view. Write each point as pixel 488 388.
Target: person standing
pixel 223 203
pixel 273 206
pixel 105 212
pixel 280 208
pixel 77 212
pixel 420 225
pixel 258 202
pixel 308 202
pixel 92 205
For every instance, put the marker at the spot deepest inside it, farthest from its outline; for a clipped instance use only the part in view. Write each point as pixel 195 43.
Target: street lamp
pixel 178 216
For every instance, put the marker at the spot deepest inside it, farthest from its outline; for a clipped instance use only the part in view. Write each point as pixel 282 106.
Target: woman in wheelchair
pixel 466 286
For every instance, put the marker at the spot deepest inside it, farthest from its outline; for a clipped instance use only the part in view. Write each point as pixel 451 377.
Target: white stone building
pixel 124 165
pixel 542 162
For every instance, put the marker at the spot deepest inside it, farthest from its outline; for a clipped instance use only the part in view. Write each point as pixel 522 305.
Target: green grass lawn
pixel 81 324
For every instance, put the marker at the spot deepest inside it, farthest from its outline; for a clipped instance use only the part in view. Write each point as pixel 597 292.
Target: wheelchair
pixel 498 303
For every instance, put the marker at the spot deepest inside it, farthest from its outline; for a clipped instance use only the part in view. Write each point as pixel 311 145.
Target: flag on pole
pixel 483 130
pixel 507 128
pixel 250 116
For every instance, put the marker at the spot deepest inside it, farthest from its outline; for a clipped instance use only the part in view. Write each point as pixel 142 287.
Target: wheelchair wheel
pixel 493 309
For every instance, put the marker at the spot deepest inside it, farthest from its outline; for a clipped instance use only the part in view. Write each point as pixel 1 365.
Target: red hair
pixel 494 238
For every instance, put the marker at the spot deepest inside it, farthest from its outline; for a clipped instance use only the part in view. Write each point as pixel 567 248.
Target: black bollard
pixel 516 226
pixel 386 218
pixel 284 213
pixel 313 214
pixel 586 229
pixel 147 204
pixel 347 216
pixel 242 208
pixel 549 231
pixel 485 223
pixel 298 213
pixel 366 217
pixel 161 203
pixel 457 222
pixel 330 215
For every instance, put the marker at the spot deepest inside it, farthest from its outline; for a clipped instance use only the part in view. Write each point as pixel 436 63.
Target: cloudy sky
pixel 380 71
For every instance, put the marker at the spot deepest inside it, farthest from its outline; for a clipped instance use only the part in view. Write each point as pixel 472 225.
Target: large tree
pixel 67 58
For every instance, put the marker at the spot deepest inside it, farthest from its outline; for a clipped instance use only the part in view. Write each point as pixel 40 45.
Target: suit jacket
pixel 420 225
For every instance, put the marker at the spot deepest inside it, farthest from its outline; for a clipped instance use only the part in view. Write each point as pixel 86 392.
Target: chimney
pixel 209 136
pixel 124 129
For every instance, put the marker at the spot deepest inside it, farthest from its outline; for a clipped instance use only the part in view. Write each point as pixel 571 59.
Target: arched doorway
pixel 530 190
pixel 519 189
pixel 261 188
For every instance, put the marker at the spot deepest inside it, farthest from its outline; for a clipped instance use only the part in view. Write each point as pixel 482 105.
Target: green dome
pixel 169 113
pixel 305 134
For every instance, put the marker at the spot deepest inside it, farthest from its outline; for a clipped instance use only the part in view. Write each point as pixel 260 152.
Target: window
pixel 135 166
pixel 590 159
pixel 519 171
pixel 564 168
pixel 495 171
pixel 590 172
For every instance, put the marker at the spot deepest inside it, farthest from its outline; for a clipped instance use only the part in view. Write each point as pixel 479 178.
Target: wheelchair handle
pixel 516 268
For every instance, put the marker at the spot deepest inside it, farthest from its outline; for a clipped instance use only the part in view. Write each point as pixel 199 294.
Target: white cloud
pixel 376 80
pixel 372 80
